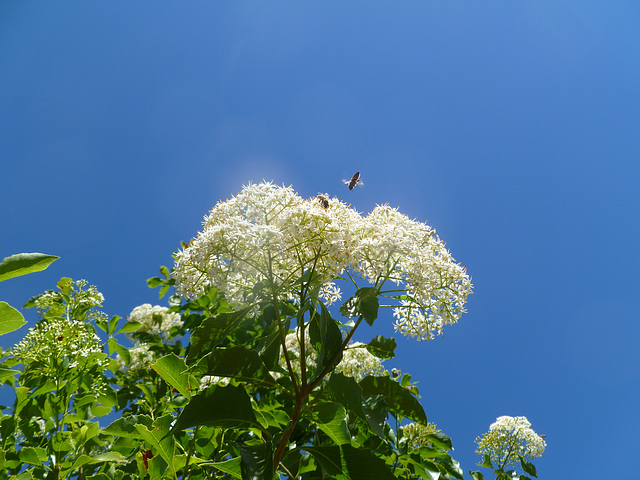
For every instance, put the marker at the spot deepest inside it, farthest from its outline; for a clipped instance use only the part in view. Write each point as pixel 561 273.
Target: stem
pixel 187 467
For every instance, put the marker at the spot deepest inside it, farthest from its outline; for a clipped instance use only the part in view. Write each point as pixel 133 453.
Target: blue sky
pixel 513 128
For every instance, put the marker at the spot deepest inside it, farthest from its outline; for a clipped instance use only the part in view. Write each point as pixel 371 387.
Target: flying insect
pixel 354 181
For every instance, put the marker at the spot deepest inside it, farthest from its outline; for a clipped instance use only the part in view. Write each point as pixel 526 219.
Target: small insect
pixel 542 436
pixel 354 181
pixel 324 199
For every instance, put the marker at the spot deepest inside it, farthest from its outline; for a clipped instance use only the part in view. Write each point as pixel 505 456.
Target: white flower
pixel 156 320
pixel 140 357
pixel 509 437
pixel 262 242
pixel 213 380
pixel 415 435
pixel 357 362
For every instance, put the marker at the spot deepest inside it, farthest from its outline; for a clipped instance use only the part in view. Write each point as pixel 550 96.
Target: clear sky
pixel 511 127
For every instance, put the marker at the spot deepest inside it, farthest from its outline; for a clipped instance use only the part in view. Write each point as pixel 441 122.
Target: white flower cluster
pixel 76 301
pixel 415 434
pixel 357 362
pixel 509 437
pixel 207 380
pixel 292 344
pixel 156 320
pixel 52 340
pixel 140 357
pixel 262 241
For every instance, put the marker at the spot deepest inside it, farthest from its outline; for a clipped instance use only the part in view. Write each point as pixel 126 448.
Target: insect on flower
pixel 355 180
pixel 324 199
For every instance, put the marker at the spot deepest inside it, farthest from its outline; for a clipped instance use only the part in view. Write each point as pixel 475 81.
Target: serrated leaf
pixel 24 263
pixel 351 463
pixel 398 399
pixel 346 391
pixel 34 456
pixel 10 318
pixel 331 418
pixel 228 406
pixel 173 370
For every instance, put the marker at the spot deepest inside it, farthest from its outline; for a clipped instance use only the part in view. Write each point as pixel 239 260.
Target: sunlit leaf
pixel 10 318
pixel 332 420
pixel 398 399
pixel 172 369
pixel 351 463
pixel 24 263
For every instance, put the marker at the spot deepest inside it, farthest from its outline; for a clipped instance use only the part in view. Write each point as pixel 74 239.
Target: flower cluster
pixel 57 343
pixel 416 435
pixel 358 363
pixel 155 320
pixel 75 300
pixel 140 358
pixel 259 244
pixel 208 380
pixel 508 438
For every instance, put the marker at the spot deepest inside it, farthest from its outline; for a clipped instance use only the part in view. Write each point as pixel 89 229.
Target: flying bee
pixel 324 199
pixel 354 181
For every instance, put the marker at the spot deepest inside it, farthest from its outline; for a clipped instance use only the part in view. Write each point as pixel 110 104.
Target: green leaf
pixel 213 330
pixel 231 467
pixel 34 456
pixel 528 467
pixel 381 347
pixel 23 263
pixel 486 462
pixel 173 370
pixel 116 457
pixel 347 462
pixel 376 412
pixel 476 475
pixel 126 426
pixel 440 440
pixel 236 362
pixel 346 391
pixel 326 337
pixel 7 373
pixel 257 460
pixel 10 318
pixel 398 399
pixel 158 437
pixel 365 303
pixel 332 420
pixel 218 406
pixel 129 327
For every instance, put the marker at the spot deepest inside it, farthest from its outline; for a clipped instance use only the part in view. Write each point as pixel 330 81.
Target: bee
pixel 324 199
pixel 354 181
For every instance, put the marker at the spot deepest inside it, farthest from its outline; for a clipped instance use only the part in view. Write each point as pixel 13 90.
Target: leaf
pixel 213 330
pixel 34 456
pixel 346 391
pixel 528 467
pixel 126 426
pixel 231 467
pixel 376 412
pixel 218 406
pixel 398 399
pixel 158 437
pixel 364 302
pixel 381 347
pixel 350 463
pixel 326 337
pixel 257 460
pixel 7 373
pixel 332 420
pixel 476 475
pixel 440 440
pixel 236 362
pixel 10 318
pixel 486 462
pixel 173 370
pixel 23 263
